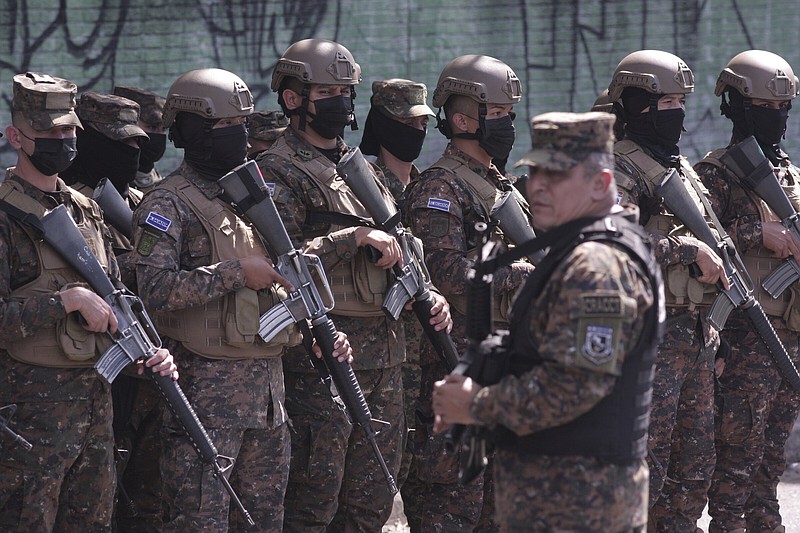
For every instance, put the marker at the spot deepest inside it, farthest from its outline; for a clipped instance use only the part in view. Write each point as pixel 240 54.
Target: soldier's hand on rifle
pixel 711 265
pixel 386 244
pixel 161 363
pixel 440 313
pixel 779 240
pixel 97 314
pixel 342 350
pixel 452 398
pixel 259 273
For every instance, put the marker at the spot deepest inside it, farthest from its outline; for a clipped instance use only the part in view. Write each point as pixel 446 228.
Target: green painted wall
pixel 564 51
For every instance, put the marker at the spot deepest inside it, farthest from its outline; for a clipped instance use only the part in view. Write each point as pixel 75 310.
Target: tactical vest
pixel 119 242
pixel 484 194
pixel 615 429
pixel 358 286
pixel 227 327
pixel 758 260
pixel 68 344
pixel 682 290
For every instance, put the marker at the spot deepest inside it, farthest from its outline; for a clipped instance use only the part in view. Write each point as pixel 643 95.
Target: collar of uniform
pixel 47 199
pixel 297 143
pixel 491 174
pixel 208 187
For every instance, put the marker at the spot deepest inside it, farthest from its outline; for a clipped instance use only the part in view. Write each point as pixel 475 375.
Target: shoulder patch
pixel 601 305
pixel 161 223
pixel 438 203
pixel 439 225
pixel 619 197
pixel 598 345
pixel 271 188
pixel 147 242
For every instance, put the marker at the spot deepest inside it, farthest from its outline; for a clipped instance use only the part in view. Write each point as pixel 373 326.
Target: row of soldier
pixel 205 277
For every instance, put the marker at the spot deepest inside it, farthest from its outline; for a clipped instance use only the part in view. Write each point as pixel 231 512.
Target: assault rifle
pixel 412 280
pixel 740 294
pixel 115 211
pixel 245 188
pixel 748 163
pixel 135 339
pixel 15 437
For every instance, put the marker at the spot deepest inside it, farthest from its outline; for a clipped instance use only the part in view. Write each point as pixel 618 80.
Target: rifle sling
pixel 339 219
pixel 27 219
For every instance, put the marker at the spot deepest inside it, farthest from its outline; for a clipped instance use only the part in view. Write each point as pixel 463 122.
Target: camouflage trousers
pixel 66 482
pixel 540 493
pixel 196 501
pixel 755 411
pixel 445 505
pixel 138 505
pixel 681 431
pixel 408 477
pixel 335 481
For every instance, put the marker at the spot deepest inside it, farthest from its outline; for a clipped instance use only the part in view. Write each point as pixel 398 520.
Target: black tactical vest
pixel 615 430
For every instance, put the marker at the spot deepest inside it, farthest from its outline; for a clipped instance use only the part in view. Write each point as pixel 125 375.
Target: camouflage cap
pixel 266 125
pixel 562 141
pixel 115 117
pixel 151 105
pixel 401 98
pixel 45 101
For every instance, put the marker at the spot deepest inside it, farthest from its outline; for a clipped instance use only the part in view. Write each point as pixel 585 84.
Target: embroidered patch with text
pixel 438 203
pixel 601 305
pixel 157 221
pixel 598 346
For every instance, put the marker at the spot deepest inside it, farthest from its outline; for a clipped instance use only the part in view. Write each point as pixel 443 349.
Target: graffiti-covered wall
pixel 564 51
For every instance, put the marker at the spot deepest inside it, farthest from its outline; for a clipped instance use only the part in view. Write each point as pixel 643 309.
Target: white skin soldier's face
pixel 557 197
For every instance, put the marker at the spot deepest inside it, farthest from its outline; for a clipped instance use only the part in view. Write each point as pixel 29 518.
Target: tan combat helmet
pixel 654 71
pixel 211 93
pixel 483 78
pixel 317 61
pixel 758 74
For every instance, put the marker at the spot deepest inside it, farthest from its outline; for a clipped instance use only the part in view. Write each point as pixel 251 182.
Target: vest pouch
pixel 792 314
pixel 370 281
pixel 288 336
pixel 77 342
pixel 241 318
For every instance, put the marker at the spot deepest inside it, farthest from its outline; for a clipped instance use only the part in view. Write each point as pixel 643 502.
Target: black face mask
pixel 102 157
pixel 401 140
pixel 332 115
pixel 769 125
pixel 666 133
pixel 52 156
pixel 152 151
pixel 498 137
pixel 228 150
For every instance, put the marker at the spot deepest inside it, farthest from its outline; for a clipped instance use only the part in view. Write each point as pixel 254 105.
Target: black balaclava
pixel 496 136
pixel 52 156
pixel 103 157
pixel 152 151
pixel 768 126
pixel 658 131
pixel 401 140
pixel 211 152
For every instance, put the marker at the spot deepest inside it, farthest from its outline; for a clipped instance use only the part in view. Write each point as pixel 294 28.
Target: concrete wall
pixel 564 51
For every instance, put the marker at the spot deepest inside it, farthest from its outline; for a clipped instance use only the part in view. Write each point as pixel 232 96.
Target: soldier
pixel 66 482
pixel 570 420
pixel 477 94
pixel 394 131
pixel 202 267
pixel 335 481
pixel 649 89
pixel 755 408
pixel 150 120
pixel 263 127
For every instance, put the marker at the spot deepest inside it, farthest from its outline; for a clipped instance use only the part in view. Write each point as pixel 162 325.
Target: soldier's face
pixel 557 197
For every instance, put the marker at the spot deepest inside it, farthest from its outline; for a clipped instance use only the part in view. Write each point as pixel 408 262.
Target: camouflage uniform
pixel 755 407
pixel 151 111
pixel 263 127
pixel 448 237
pixel 66 482
pixel 335 481
pixel 570 419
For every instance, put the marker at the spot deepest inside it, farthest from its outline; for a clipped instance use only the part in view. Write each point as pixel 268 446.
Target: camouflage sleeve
pixel 171 253
pixel 436 215
pixel 22 317
pixel 735 209
pixel 293 201
pixel 586 321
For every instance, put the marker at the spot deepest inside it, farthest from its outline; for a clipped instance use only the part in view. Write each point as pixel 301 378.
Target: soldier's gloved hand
pixel 384 243
pixel 779 240
pixel 342 350
pixel 161 363
pixel 711 266
pixel 259 273
pixel 96 313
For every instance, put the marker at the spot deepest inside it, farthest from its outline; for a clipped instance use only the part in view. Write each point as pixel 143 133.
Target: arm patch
pixel 147 242
pixel 601 316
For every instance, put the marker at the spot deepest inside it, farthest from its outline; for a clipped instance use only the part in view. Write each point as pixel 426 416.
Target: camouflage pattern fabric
pixel 349 477
pixel 145 181
pixel 681 435
pixel 240 402
pixel 401 98
pixel 266 125
pixel 114 116
pixel 446 236
pixel 66 482
pixel 151 105
pixel 535 492
pixel 754 409
pixel 46 101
